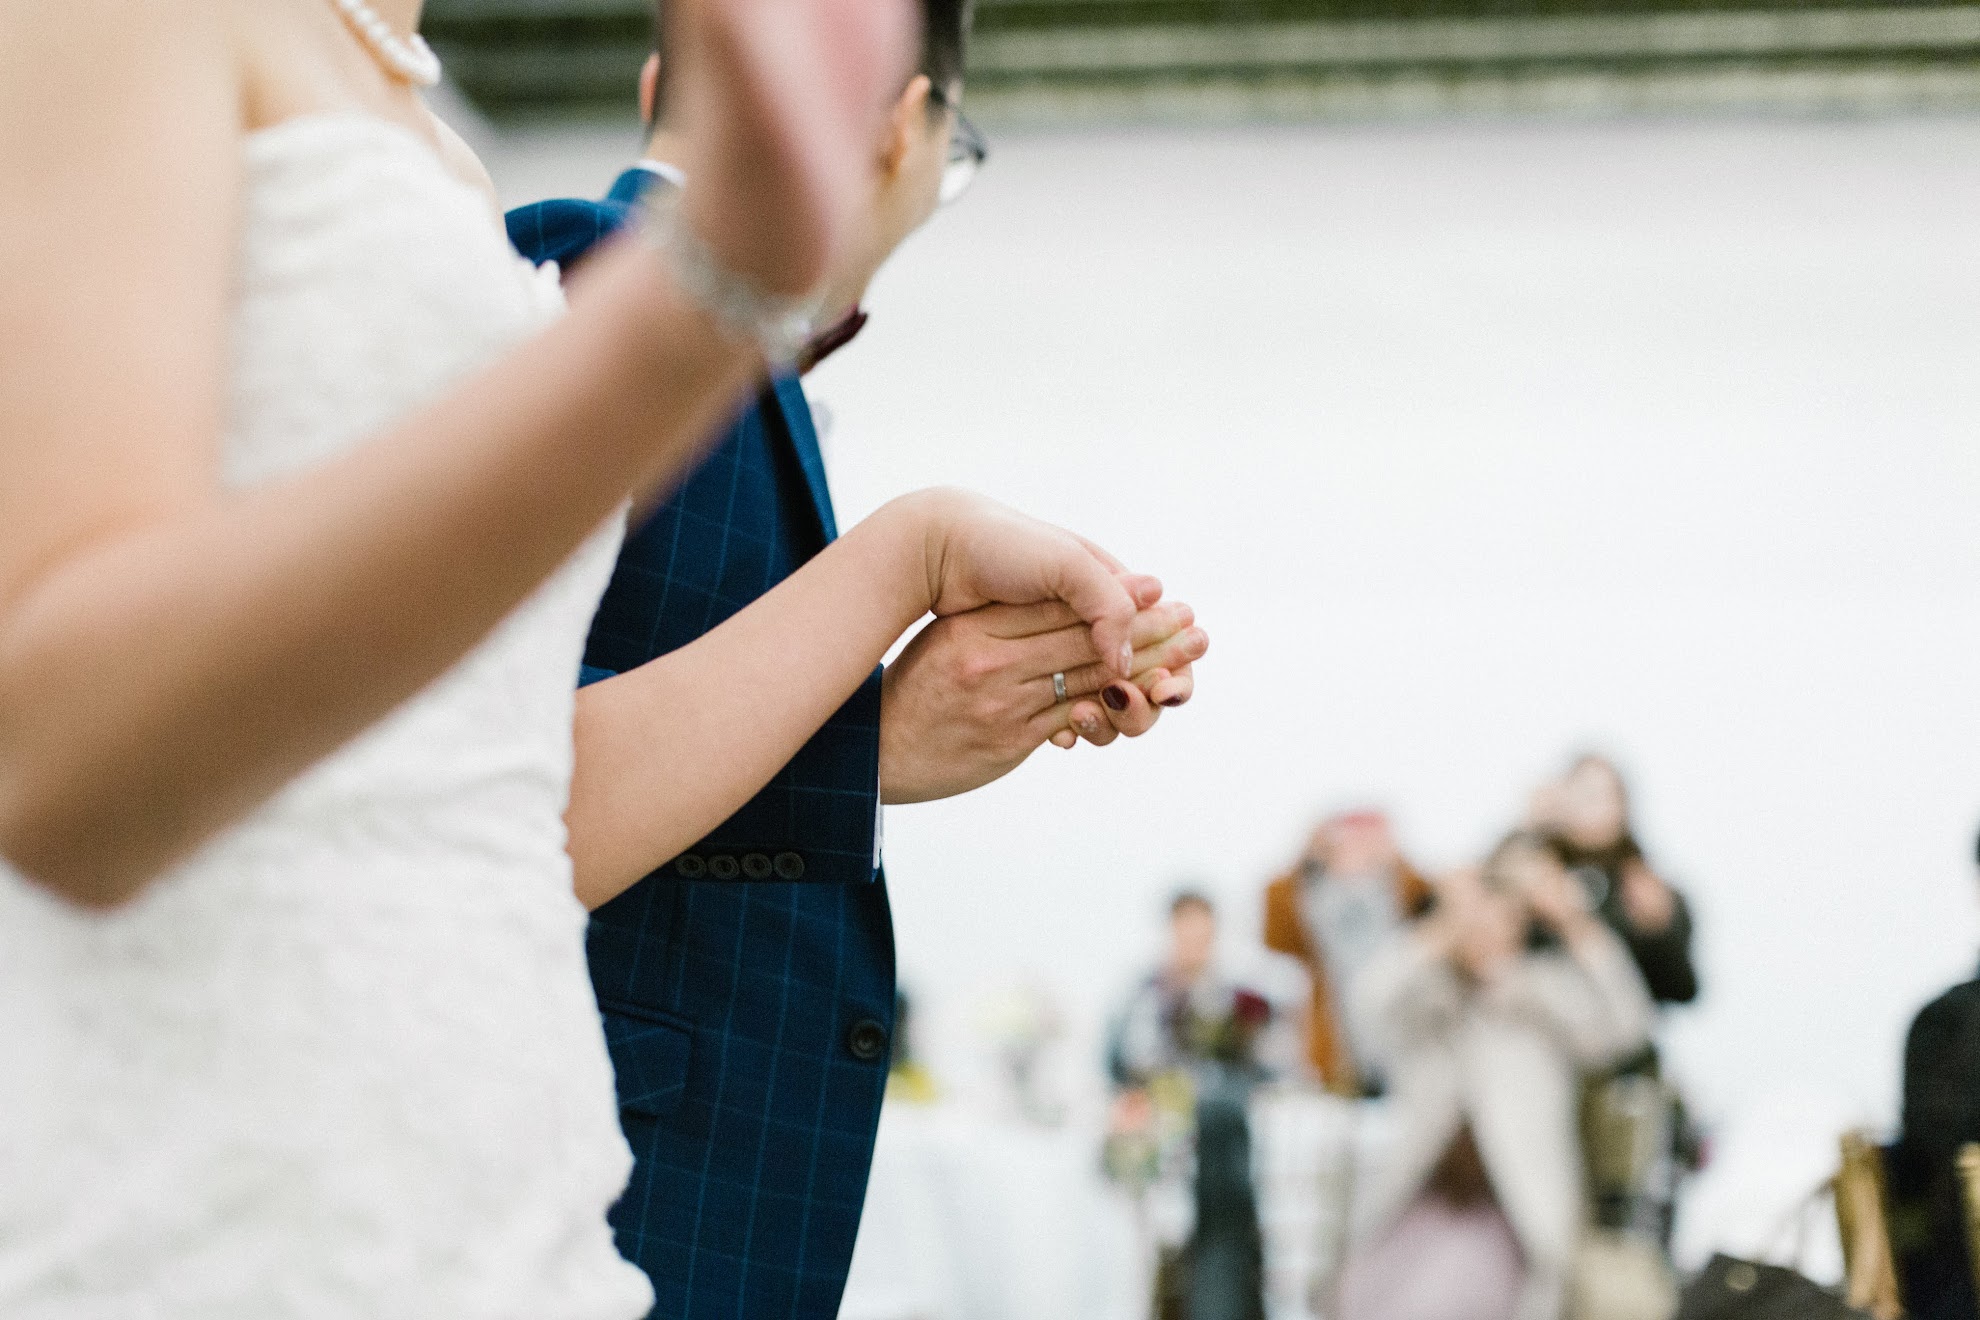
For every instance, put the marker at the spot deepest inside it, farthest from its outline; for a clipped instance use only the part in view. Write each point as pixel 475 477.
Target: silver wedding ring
pixel 1059 689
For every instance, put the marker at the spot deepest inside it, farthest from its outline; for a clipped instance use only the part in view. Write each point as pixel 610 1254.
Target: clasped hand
pixel 972 696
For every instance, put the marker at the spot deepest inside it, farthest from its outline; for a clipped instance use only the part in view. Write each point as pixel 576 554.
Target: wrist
pixel 638 319
pixel 779 325
pixel 903 540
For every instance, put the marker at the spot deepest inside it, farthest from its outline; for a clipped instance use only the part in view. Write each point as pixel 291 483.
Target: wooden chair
pixel 1969 1186
pixel 1863 1219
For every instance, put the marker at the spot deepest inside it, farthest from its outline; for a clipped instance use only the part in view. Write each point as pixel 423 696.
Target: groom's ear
pixel 649 87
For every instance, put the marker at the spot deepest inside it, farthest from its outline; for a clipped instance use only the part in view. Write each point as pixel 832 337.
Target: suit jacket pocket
pixel 650 1052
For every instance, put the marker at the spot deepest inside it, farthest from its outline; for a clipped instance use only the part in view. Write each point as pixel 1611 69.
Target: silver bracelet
pixel 780 326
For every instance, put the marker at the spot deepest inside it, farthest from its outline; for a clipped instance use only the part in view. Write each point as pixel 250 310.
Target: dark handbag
pixel 1732 1289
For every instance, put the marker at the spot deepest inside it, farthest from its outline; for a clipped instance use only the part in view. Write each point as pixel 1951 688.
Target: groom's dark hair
pixel 944 45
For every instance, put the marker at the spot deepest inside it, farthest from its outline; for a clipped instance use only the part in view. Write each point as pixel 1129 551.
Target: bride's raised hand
pixel 780 102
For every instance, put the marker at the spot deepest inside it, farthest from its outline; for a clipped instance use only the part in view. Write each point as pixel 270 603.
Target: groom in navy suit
pixel 747 986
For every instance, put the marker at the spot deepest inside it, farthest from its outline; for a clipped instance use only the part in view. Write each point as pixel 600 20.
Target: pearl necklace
pixel 408 59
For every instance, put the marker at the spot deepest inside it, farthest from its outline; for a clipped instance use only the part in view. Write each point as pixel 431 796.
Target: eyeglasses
pixel 968 149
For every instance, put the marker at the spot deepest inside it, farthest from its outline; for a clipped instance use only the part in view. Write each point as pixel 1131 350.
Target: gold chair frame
pixel 1863 1219
pixel 1969 1186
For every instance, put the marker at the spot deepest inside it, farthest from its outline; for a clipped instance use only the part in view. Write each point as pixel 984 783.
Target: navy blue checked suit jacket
pixel 747 987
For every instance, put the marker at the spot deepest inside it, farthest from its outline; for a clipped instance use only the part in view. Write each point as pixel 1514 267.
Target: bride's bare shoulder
pixel 459 158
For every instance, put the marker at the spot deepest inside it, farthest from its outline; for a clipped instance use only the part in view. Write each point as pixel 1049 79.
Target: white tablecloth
pixel 1310 1153
pixel 974 1218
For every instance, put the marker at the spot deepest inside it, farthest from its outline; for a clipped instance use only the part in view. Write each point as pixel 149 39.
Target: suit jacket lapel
pixel 785 389
pixel 804 440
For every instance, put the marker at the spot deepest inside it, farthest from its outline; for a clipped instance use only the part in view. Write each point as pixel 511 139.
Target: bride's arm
pixel 668 751
pixel 171 653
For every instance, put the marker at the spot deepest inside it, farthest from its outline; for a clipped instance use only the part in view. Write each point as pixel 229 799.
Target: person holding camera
pixel 1485 1017
pixel 1586 815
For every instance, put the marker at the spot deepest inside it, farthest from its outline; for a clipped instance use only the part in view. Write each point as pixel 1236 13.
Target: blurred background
pixel 1500 380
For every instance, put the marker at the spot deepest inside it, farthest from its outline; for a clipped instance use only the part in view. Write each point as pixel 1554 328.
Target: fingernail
pixel 1116 697
pixel 1089 727
pixel 1127 657
pixel 1174 702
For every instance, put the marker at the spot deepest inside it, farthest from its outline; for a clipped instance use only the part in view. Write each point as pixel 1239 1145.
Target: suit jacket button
pixel 790 866
pixel 867 1041
pixel 723 867
pixel 690 867
pixel 757 866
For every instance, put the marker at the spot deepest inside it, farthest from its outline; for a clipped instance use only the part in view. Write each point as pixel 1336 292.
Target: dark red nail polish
pixel 1116 698
pixel 1173 702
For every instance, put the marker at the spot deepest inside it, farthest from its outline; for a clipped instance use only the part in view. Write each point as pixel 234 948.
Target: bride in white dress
pixel 296 558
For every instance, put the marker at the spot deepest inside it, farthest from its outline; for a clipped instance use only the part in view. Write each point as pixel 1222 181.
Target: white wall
pixel 1473 445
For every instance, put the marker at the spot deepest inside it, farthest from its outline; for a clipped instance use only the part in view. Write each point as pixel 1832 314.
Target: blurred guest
pixel 1941 1114
pixel 1486 1016
pixel 1185 1015
pixel 1642 1142
pixel 1349 895
pixel 1188 1036
pixel 1587 814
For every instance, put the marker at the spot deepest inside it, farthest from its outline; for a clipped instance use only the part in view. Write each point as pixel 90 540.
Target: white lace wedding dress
pixel 346 1062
